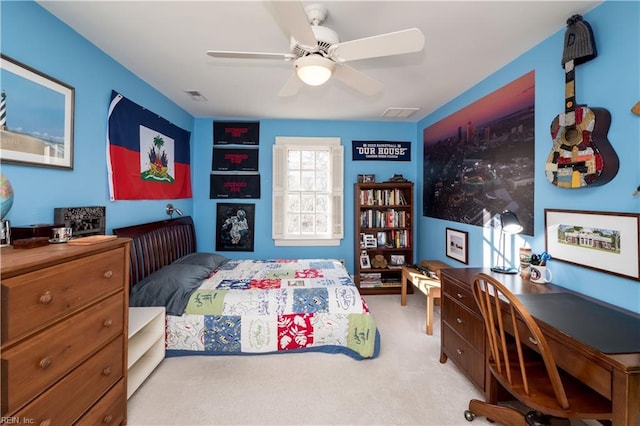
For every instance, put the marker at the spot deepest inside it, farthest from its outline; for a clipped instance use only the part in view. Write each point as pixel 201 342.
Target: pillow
pixel 170 286
pixel 210 260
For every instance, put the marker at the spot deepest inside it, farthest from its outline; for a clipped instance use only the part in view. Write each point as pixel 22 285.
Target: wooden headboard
pixel 157 244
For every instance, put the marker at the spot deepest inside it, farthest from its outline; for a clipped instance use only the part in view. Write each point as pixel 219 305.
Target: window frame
pixel 279 190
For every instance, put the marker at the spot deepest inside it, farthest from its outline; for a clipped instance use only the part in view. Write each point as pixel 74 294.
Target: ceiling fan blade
pixel 250 55
pixel 293 17
pixel 291 87
pixel 396 43
pixel 357 80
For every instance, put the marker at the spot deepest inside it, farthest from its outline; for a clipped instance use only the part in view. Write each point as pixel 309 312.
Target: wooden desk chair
pixel 521 361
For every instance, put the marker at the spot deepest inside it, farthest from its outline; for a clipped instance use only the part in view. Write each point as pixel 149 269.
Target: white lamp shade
pixel 314 70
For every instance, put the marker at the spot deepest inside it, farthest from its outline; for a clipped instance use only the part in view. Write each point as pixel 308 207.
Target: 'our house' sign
pixel 381 151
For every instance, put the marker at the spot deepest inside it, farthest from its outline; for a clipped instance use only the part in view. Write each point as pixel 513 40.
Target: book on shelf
pixel 377 284
pixel 380 197
pixel 370 275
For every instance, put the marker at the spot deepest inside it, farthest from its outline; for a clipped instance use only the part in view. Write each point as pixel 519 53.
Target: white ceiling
pixel 165 44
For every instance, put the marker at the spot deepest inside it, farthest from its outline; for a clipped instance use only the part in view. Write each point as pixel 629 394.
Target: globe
pixel 6 196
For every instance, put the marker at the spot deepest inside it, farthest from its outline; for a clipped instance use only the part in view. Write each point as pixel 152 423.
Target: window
pixel 307 191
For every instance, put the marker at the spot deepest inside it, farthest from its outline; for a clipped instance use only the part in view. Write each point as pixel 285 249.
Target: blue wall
pixel 611 81
pixel 205 209
pixel 33 36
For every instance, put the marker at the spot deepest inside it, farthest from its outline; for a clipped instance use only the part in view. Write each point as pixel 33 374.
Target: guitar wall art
pixel 581 154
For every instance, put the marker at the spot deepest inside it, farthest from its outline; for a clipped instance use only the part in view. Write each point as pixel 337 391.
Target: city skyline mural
pixel 479 161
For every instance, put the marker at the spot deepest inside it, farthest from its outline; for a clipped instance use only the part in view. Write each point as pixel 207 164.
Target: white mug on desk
pixel 540 274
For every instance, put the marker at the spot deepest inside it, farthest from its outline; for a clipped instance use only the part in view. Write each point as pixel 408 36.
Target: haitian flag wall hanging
pixel 148 158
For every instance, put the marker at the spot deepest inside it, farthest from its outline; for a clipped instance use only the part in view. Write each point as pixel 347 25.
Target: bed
pixel 221 306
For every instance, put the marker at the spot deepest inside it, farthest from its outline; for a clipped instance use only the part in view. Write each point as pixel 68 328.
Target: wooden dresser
pixel 462 334
pixel 64 334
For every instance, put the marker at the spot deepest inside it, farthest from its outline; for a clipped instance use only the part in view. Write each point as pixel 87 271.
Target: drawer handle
pixel 107 419
pixel 45 363
pixel 46 298
pixel 459 320
pixel 108 274
pixel 459 351
pixel 106 371
pixel 45 422
pixel 532 340
pixel 107 323
pixel 459 295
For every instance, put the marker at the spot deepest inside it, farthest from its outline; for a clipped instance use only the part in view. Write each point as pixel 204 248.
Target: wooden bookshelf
pixel 384 235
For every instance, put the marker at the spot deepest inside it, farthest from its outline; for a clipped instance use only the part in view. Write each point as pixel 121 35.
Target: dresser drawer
pixel 40 361
pixel 37 299
pixel 469 360
pixel 110 410
pixel 464 322
pixel 68 399
pixel 461 294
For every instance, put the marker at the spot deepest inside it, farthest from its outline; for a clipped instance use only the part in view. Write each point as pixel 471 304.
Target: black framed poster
pixel 234 185
pixel 234 227
pixel 234 159
pixel 236 132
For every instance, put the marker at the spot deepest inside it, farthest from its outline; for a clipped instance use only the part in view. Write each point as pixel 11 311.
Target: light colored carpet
pixel 405 385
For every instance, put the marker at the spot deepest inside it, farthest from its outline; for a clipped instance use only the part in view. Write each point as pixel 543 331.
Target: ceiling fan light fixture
pixel 314 70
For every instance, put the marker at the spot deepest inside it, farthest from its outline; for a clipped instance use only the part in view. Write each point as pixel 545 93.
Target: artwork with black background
pixel 234 159
pixel 235 227
pixel 234 185
pixel 84 221
pixel 236 132
pixel 479 161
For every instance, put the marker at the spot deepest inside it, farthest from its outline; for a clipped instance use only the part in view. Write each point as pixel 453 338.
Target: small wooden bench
pixel 427 285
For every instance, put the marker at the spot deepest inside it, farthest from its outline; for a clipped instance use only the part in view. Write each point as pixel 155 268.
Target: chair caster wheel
pixel 534 418
pixel 469 416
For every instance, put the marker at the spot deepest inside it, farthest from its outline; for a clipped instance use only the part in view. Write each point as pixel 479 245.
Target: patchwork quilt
pixel 269 306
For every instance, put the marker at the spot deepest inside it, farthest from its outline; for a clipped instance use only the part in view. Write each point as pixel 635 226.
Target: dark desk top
pixel 603 328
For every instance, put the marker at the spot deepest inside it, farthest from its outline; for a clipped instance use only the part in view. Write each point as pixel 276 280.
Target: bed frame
pixel 157 244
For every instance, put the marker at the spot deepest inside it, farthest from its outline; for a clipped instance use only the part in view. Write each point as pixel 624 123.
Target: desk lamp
pixel 510 225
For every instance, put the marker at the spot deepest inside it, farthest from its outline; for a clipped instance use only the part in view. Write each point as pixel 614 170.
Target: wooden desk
pixel 429 286
pixel 615 376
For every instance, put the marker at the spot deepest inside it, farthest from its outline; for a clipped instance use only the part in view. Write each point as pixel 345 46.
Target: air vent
pixel 195 95
pixel 399 112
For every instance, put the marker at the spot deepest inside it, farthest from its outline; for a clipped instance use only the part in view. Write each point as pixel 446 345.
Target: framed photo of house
pixel 36 117
pixel 456 245
pixel 603 241
pixel 235 227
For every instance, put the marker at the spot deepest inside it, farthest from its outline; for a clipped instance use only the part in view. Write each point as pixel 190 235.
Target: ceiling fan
pixel 317 53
